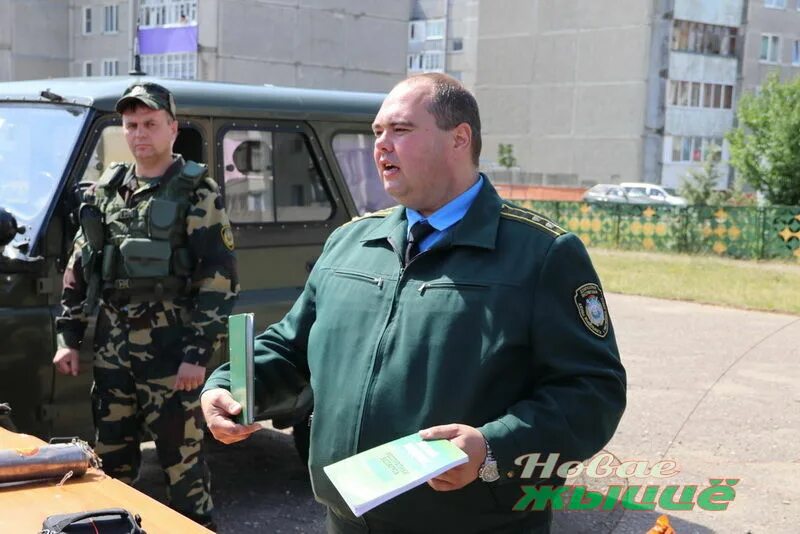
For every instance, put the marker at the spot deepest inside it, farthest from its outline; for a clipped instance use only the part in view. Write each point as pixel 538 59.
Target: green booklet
pixel 374 476
pixel 240 353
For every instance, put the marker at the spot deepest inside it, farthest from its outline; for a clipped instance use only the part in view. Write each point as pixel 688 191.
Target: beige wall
pixel 333 44
pixel 33 39
pixel 98 45
pixel 565 81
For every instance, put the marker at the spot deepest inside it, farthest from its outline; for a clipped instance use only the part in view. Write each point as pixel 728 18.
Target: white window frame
pixel 113 27
pixel 157 13
pixel 110 67
pixel 433 61
pixel 775 4
pixel 773 48
pixel 87 21
pixel 87 69
pixel 181 66
pixel 435 24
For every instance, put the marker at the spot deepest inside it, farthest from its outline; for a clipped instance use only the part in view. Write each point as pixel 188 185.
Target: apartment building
pixel 335 44
pixel 705 45
pixel 442 37
pixel 772 41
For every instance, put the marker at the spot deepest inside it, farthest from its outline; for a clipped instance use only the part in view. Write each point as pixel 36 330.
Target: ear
pixel 462 138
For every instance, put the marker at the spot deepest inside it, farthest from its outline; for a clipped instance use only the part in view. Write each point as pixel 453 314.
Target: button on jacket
pixel 482 329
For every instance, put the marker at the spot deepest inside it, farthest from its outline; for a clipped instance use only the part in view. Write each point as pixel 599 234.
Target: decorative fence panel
pixel 738 232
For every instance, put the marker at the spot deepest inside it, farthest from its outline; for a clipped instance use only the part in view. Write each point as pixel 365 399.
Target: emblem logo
pixel 592 309
pixel 227 237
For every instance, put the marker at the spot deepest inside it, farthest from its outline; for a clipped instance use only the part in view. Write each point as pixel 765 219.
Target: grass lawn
pixel 770 286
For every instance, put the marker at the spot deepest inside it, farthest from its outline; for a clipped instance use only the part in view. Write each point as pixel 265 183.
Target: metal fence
pixel 738 232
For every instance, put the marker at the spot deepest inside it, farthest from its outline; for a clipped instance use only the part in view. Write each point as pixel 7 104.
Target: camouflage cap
pixel 150 94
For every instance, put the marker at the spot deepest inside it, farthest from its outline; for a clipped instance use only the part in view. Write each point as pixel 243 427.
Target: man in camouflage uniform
pixel 155 251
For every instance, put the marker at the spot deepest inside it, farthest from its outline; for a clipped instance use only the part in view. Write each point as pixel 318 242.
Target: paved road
pixel 714 389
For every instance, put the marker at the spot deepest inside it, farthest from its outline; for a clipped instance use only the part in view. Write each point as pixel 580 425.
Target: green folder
pixel 240 353
pixel 376 475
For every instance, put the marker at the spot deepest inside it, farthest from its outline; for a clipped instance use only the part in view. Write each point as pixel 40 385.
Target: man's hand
pixel 190 376
pixel 66 361
pixel 218 407
pixel 469 440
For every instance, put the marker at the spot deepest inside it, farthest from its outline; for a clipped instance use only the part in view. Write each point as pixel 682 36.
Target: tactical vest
pixel 144 252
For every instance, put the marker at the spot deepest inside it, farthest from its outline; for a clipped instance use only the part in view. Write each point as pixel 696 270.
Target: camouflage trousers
pixel 137 355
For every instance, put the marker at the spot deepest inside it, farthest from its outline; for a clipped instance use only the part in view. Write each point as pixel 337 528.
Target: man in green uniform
pixel 457 314
pixel 155 250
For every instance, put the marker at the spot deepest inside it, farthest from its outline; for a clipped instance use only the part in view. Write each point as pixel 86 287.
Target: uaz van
pixel 293 164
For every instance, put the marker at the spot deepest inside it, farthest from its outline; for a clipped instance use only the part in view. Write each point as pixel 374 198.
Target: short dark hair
pixel 451 104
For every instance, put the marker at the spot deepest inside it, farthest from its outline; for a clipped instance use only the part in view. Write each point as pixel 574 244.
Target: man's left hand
pixel 469 440
pixel 190 376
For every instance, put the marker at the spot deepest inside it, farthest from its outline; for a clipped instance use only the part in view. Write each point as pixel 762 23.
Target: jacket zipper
pixel 450 285
pixel 353 275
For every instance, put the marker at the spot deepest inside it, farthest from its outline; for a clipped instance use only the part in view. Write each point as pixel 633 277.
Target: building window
pixel 166 12
pixel 433 61
pixel 87 68
pixel 87 20
pixel 111 19
pixel 693 149
pixel 110 67
pixel 416 31
pixel 777 4
pixel 796 53
pixel 689 36
pixel 182 65
pixel 699 95
pixel 272 177
pixel 434 29
pixel 457 44
pixel 770 45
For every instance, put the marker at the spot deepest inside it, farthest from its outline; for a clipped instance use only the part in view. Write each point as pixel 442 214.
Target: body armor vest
pixel 142 251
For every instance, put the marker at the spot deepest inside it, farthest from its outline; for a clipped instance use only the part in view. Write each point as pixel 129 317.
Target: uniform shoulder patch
pixel 592 308
pixel 372 215
pixel 227 237
pixel 531 218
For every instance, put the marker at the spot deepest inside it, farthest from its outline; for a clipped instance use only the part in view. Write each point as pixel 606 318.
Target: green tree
pixel 765 147
pixel 505 155
pixel 699 188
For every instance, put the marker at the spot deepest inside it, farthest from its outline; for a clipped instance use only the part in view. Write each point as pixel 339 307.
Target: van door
pixel 283 203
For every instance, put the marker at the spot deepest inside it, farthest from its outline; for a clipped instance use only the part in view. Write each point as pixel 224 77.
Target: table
pixel 24 507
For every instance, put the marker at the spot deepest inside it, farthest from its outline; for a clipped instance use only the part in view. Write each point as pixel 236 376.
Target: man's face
pixel 150 133
pixel 411 152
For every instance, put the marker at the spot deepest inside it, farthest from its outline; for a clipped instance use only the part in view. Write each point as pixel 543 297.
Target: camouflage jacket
pixel 214 281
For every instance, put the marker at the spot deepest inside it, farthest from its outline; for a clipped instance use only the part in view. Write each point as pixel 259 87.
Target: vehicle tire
pixel 302 438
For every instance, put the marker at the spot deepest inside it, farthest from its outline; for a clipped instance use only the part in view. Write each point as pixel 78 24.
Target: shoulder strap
pixel 113 175
pixel 191 176
pixel 531 218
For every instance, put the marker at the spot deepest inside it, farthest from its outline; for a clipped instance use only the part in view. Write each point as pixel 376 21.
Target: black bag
pixel 108 521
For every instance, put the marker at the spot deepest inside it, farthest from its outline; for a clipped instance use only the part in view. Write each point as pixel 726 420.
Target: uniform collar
pixel 478 228
pixel 152 183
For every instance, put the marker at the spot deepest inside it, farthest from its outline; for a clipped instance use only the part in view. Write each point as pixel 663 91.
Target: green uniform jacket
pixel 483 329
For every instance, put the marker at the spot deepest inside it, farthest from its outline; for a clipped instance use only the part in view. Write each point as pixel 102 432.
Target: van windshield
pixel 36 141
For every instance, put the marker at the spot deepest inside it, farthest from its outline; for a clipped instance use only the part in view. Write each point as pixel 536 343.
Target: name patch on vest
pixel 227 237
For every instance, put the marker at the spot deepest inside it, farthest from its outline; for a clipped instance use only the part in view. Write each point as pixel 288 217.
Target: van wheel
pixel 302 438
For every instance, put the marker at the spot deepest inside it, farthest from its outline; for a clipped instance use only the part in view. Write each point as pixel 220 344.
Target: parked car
pixel 606 193
pixel 646 193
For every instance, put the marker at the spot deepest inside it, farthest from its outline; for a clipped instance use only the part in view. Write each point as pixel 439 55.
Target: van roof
pixel 194 97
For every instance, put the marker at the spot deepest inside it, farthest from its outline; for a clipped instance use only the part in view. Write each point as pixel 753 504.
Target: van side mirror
pixel 8 227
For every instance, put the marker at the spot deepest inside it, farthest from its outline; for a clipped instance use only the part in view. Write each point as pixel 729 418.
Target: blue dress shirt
pixel 446 216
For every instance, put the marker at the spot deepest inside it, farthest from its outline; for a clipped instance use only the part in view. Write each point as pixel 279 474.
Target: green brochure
pixel 374 476
pixel 240 352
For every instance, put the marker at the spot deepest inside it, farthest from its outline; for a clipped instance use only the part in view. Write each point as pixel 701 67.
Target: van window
pixel 354 155
pixel 111 146
pixel 271 177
